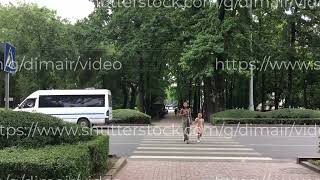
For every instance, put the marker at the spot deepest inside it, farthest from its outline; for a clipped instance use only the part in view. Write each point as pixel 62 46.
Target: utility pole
pixel 251 103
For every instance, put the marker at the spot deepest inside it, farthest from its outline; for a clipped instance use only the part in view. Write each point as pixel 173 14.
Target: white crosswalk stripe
pixel 197 148
pixel 210 148
pixel 192 145
pixel 177 142
pixel 202 158
pixel 195 153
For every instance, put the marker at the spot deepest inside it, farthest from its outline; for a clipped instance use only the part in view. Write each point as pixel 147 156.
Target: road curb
pixel 112 126
pixel 304 162
pixel 116 168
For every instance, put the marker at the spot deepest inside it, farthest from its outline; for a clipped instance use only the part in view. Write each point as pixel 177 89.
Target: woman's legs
pixel 186 130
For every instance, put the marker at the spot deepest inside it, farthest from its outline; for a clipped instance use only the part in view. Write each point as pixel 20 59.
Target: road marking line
pixel 163 142
pixel 210 137
pixel 125 143
pixel 195 148
pixel 193 152
pixel 284 145
pixel 180 139
pixel 191 135
pixel 202 158
pixel 198 145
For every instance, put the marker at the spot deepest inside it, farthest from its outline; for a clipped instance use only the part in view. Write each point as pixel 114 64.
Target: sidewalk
pixel 213 170
pixel 171 120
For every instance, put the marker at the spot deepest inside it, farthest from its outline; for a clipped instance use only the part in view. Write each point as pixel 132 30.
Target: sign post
pixel 7 88
pixel 9 67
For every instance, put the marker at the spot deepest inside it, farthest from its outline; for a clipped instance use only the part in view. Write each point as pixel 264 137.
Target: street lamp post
pixel 251 103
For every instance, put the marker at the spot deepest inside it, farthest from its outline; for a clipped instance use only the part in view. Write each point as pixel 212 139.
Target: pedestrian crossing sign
pixel 9 64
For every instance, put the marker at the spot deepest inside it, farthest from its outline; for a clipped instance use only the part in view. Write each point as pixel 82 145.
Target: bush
pixel 294 113
pixel 281 116
pixel 32 130
pixel 98 150
pixel 130 116
pixel 238 113
pixel 67 161
pixel 315 162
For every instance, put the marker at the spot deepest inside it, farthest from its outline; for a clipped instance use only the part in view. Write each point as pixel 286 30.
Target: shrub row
pixel 67 161
pixel 315 162
pixel 282 116
pixel 32 130
pixel 129 116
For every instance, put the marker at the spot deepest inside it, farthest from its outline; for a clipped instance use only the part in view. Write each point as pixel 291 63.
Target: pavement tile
pixel 214 170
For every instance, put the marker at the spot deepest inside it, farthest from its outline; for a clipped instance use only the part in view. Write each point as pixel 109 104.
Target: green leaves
pixel 78 161
pixel 129 116
pixel 201 54
pixel 31 130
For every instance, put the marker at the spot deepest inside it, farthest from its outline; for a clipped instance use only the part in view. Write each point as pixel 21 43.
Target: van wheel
pixel 84 122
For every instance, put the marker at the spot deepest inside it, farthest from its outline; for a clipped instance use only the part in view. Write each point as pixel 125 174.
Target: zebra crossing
pixel 210 148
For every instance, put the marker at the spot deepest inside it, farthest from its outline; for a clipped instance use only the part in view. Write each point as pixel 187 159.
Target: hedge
pixel 129 116
pixel 315 162
pixel 32 130
pixel 67 161
pixel 281 116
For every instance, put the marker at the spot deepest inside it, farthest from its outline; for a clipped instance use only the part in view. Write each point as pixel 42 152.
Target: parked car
pixel 85 107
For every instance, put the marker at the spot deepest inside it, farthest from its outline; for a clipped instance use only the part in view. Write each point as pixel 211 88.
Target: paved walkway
pixel 213 170
pixel 215 158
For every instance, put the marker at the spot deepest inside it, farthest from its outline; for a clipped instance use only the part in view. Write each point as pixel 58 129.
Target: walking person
pixel 199 124
pixel 185 113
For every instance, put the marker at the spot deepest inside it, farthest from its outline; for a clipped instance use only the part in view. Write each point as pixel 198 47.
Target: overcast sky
pixel 68 9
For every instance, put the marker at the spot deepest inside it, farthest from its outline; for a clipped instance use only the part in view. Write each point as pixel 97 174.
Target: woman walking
pixel 186 121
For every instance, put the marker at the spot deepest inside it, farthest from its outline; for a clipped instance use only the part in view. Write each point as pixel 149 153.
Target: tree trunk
pixel 276 91
pixel 219 93
pixel 208 98
pixel 148 96
pixel 263 77
pixel 133 93
pixel 230 104
pixel 305 86
pixel 279 90
pixel 125 95
pixel 141 84
pixel 263 96
pixel 289 93
pixel 291 60
pixel 190 93
pixel 196 99
pixel 219 96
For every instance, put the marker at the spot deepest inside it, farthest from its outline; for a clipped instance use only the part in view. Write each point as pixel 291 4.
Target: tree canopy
pixel 198 54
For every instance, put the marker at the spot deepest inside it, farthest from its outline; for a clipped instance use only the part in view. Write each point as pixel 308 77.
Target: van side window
pixel 29 103
pixel 54 101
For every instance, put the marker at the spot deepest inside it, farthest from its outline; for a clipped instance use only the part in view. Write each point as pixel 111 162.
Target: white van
pixel 85 107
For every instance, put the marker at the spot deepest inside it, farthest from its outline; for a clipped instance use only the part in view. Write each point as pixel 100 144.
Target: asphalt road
pixel 279 143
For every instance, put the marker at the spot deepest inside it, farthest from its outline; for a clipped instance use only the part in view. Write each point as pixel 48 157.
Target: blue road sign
pixel 9 65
